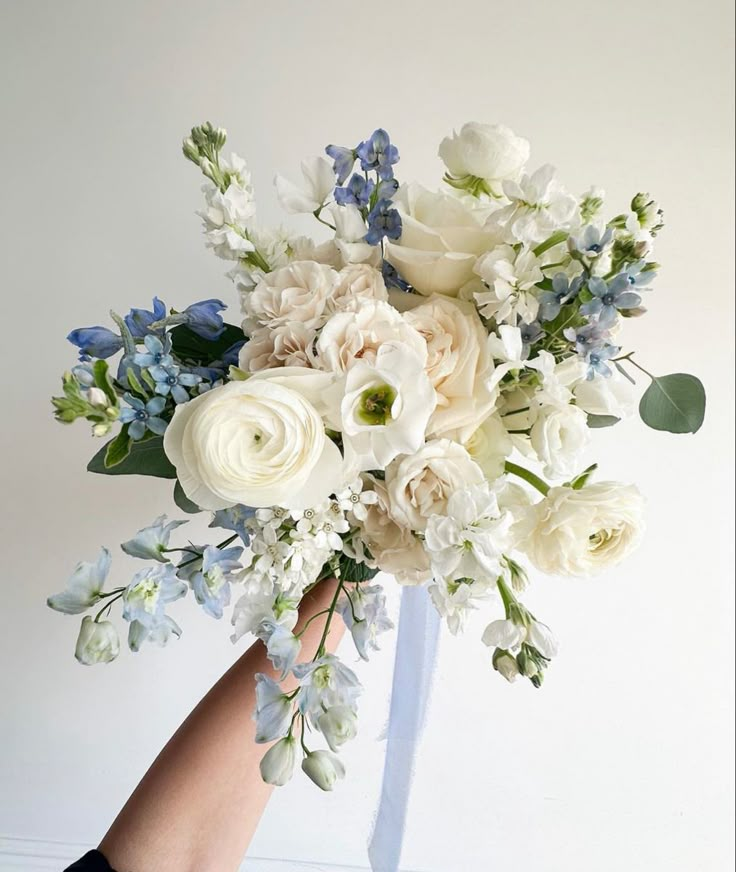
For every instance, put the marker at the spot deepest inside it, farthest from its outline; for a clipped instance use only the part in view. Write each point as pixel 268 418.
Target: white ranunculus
pixel 319 182
pixel 358 283
pixel 558 436
pixel 614 395
pixel 386 407
pixel 301 291
pixel 458 364
pixel 359 334
pixel 420 484
pixel 256 443
pixel 287 345
pixel 98 642
pixel 490 152
pixel 579 532
pixel 393 546
pixel 441 239
pixel 489 446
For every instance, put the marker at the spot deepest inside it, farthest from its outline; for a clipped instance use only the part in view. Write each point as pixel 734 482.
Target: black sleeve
pixel 93 861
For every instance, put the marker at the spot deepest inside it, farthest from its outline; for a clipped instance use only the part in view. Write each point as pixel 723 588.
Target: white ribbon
pixel 416 649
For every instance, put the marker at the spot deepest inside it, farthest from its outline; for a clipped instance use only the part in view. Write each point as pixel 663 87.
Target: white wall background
pixel 623 760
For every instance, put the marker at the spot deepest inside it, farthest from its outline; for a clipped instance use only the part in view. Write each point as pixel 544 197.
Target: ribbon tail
pixel 416 650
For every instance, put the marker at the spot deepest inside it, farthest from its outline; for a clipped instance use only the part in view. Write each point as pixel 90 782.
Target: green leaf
pixel 190 347
pixel 135 386
pixel 675 403
pixel 595 422
pixel 145 458
pixel 352 571
pixel 579 482
pixel 103 381
pixel 183 501
pixel 117 449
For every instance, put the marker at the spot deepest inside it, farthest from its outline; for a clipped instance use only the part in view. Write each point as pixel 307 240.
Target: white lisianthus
pixel 319 182
pixel 324 768
pixel 301 291
pixel 277 765
pixel 358 283
pixel 615 395
pixel 255 443
pixel 558 436
pixel 441 239
pixel 386 407
pixel 338 725
pixel 489 446
pixel 488 152
pixel 288 345
pixel 579 532
pixel 97 642
pixel 511 278
pixel 420 484
pixel 458 364
pixel 394 548
pixel 359 334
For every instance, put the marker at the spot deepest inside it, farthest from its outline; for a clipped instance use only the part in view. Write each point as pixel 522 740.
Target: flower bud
pixel 324 768
pixel 277 765
pixel 506 664
pixel 97 397
pixel 97 642
pixel 338 725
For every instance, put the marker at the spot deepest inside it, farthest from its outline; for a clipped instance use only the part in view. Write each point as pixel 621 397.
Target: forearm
pixel 198 805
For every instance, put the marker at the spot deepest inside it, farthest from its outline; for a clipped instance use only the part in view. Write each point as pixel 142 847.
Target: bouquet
pixel 411 394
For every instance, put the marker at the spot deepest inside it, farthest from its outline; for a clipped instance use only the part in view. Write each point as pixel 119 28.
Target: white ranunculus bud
pixel 338 725
pixel 490 152
pixel 324 768
pixel 580 532
pixel 98 642
pixel 277 765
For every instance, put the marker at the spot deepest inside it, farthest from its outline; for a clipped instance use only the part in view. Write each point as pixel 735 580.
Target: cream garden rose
pixel 420 484
pixel 287 345
pixel 257 443
pixel 358 282
pixel 580 532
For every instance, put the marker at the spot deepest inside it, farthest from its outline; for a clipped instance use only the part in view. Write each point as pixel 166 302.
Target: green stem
pixel 528 476
pixel 555 239
pixel 199 556
pixel 313 618
pixel 629 358
pixel 506 595
pixel 316 214
pixel 108 605
pixel 330 615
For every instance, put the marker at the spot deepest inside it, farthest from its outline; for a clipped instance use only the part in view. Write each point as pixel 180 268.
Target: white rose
pixel 97 642
pixel 357 283
pixel 490 152
pixel 301 291
pixel 393 546
pixel 558 436
pixel 441 239
pixel 254 442
pixel 386 407
pixel 579 532
pixel 420 484
pixel 489 446
pixel 458 364
pixel 359 334
pixel 287 345
pixel 614 395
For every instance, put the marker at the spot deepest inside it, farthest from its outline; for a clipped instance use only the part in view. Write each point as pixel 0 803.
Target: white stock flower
pixel 277 765
pixel 491 152
pixel 256 443
pixel 420 484
pixel 394 548
pixel 506 346
pixel 359 334
pixel 489 446
pixel 301 291
pixel 386 407
pixel 338 725
pixel 289 344
pixel 539 206
pixel 458 364
pixel 579 532
pixel 324 768
pixel 454 598
pixel 559 436
pixel 510 277
pixel 510 636
pixel 440 241
pixel 318 184
pixel 273 712
pixel 97 642
pixel 227 214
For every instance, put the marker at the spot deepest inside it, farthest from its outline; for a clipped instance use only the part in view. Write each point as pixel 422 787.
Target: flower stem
pixel 330 615
pixel 529 477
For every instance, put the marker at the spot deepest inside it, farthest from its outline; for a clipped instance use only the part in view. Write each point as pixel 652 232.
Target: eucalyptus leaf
pixel 145 458
pixel 117 449
pixel 675 403
pixel 183 501
pixel 596 422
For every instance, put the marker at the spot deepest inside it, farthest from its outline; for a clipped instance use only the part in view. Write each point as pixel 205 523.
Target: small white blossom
pixel 354 500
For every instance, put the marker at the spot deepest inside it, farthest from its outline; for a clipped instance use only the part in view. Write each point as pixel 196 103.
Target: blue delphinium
pixel 392 278
pixel 232 355
pixel 357 192
pixel 172 380
pixel 383 220
pixel 95 342
pixel 343 161
pixel 139 321
pixel 157 353
pixel 211 582
pixel 143 416
pixel 563 291
pixel 204 318
pixel 377 153
pixel 609 298
pixel 235 518
pixel 150 543
pixel 144 602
